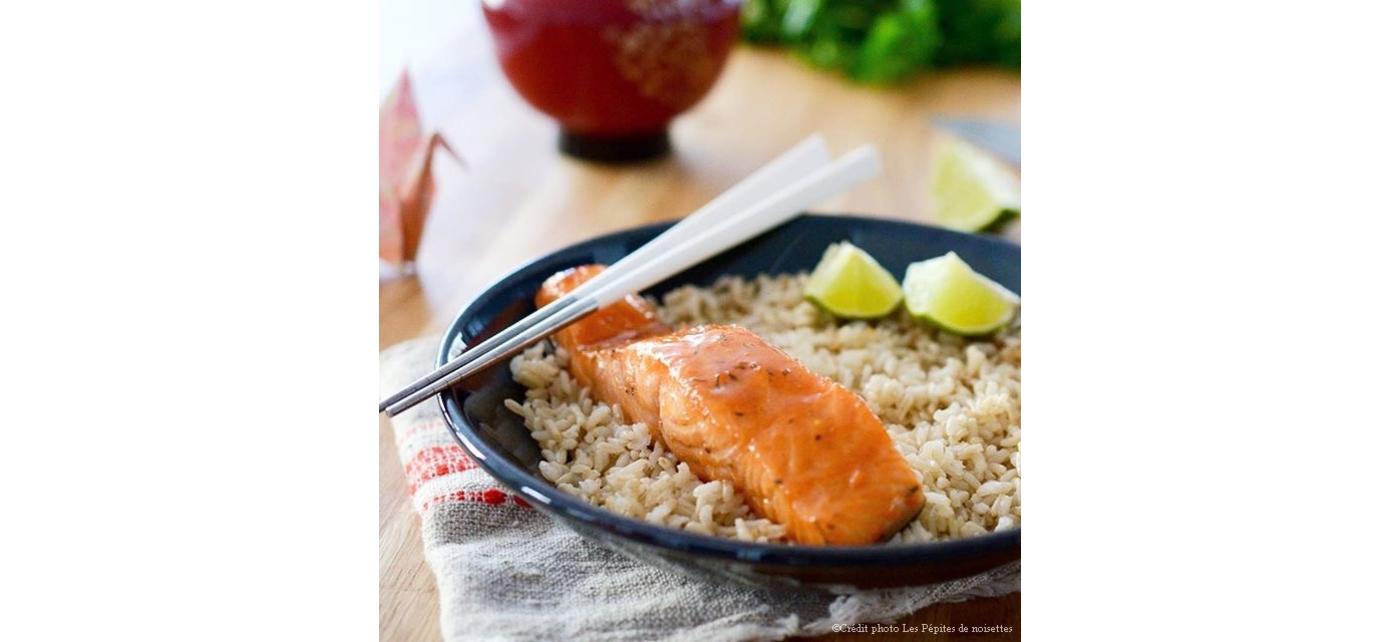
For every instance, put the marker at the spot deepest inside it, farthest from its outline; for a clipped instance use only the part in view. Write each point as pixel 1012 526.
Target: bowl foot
pixel 625 148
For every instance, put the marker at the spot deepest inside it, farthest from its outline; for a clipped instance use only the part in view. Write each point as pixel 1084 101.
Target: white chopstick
pixel 750 221
pixel 801 159
pixel 858 165
pixel 804 158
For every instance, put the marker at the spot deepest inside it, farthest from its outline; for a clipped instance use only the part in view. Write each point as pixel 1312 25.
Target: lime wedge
pixel 851 284
pixel 947 292
pixel 972 191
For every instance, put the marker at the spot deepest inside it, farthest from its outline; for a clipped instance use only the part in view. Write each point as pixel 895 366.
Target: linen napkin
pixel 507 572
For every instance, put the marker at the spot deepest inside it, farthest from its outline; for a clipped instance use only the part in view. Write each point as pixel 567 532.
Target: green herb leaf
pixel 886 41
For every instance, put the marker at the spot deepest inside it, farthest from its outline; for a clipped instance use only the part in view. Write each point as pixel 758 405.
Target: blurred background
pixel 858 72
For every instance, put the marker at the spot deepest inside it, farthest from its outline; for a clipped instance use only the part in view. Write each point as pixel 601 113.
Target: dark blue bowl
pixel 498 440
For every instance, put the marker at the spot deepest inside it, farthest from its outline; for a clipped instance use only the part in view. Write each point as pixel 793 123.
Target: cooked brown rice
pixel 952 405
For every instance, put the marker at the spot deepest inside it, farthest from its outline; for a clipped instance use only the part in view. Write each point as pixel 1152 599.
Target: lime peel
pixel 948 293
pixel 973 192
pixel 851 284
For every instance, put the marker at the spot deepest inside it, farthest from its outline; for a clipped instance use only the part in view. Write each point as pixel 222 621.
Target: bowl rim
pixel 548 498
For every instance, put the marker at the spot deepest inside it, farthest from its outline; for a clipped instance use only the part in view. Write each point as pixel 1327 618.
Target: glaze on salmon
pixel 805 452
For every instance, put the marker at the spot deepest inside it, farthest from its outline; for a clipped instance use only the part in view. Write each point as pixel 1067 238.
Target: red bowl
pixel 613 73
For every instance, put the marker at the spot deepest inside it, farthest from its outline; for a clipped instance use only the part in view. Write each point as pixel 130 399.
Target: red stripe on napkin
pixel 433 462
pixel 492 496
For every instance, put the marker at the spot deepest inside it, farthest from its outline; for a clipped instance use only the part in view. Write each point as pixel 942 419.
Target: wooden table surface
pixel 517 198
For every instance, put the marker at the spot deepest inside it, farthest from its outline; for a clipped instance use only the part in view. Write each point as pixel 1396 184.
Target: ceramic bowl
pixel 498 440
pixel 613 73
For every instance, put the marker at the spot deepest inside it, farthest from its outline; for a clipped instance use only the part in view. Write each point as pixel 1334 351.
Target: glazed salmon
pixel 804 451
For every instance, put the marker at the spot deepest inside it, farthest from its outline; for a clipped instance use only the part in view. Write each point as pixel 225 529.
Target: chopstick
pixel 801 159
pixel 678 253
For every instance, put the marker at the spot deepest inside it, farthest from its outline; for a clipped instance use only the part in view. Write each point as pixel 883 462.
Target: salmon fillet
pixel 804 451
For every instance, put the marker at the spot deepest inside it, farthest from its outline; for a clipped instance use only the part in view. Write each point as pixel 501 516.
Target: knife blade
pixel 1002 139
